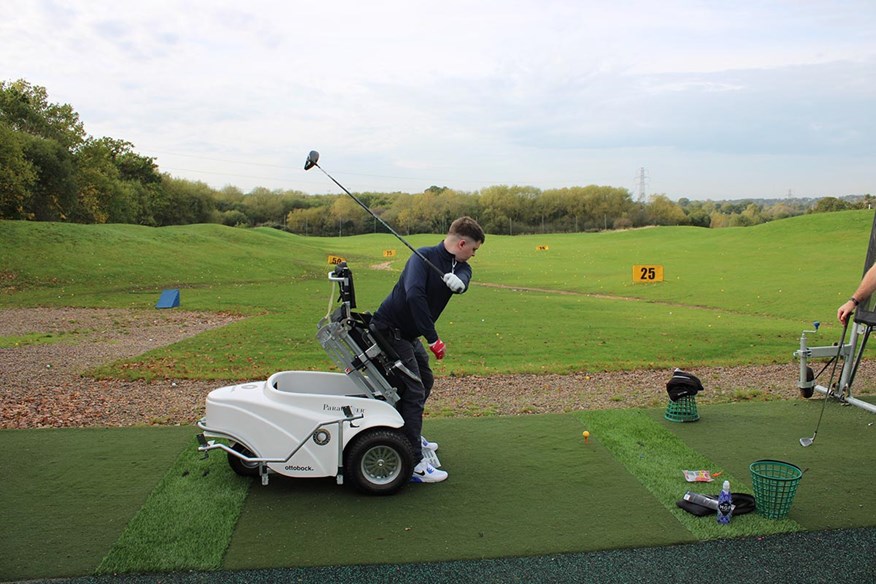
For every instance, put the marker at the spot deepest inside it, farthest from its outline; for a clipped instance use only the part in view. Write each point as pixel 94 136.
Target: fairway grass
pixel 730 296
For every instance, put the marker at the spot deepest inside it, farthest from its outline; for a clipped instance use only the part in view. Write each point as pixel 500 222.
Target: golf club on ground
pixel 313 159
pixel 806 441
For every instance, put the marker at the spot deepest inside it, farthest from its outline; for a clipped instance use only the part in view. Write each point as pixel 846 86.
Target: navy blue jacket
pixel 420 294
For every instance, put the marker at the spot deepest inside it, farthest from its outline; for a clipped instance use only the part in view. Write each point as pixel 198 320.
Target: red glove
pixel 438 347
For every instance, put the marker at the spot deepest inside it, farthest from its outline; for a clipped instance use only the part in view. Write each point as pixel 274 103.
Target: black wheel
pixel 807 391
pixel 379 462
pixel 240 466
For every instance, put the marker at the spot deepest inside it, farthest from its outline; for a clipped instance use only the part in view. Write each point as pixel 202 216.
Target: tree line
pixel 52 170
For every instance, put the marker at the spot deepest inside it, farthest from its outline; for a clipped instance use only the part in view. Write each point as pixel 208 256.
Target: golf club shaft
pixel 382 222
pixel 830 383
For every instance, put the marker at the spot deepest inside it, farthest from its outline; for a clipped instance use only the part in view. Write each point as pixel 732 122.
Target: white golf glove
pixel 454 283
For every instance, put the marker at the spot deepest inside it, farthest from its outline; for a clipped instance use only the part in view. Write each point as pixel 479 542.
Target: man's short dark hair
pixel 467 227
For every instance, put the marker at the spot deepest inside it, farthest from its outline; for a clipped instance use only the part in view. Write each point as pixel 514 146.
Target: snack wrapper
pixel 697 476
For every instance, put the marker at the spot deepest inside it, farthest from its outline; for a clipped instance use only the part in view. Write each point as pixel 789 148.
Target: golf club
pixel 806 441
pixel 313 160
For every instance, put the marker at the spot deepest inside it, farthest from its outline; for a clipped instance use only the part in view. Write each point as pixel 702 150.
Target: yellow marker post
pixel 647 273
pixel 542 247
pixel 335 260
pixel 389 253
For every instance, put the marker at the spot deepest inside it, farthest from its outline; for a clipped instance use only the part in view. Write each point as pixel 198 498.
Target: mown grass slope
pixel 729 297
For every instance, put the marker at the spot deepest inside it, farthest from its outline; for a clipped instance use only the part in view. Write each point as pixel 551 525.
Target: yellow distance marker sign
pixel 647 273
pixel 389 253
pixel 542 247
pixel 335 260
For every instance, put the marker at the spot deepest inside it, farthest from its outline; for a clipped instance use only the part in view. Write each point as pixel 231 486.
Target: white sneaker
pixel 426 473
pixel 433 446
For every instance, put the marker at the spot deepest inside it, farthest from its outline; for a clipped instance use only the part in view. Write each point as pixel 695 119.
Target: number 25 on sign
pixel 647 273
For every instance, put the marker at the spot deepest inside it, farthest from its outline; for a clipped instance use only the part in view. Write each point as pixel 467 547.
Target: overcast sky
pixel 713 100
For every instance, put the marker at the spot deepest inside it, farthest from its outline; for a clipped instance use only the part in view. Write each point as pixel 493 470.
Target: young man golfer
pixel 410 312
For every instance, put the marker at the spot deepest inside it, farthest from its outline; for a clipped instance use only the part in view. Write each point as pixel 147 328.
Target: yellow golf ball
pixel 586 434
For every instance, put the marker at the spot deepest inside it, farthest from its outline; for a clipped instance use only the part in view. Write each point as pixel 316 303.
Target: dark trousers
pixel 414 394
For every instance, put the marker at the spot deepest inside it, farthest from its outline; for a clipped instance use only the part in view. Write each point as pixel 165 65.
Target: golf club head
pixel 804 442
pixel 312 159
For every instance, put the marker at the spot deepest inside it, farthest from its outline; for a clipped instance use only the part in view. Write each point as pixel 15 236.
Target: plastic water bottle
pixel 725 504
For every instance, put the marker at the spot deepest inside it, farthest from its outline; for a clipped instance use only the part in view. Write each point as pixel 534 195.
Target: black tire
pixel 806 393
pixel 379 462
pixel 240 466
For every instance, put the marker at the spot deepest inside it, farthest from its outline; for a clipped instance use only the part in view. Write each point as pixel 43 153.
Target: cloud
pixel 401 96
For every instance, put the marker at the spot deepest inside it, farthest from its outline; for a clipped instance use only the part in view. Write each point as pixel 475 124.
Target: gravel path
pixel 43 384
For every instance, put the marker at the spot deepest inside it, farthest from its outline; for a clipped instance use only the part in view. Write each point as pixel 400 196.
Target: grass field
pixel 730 296
pixel 89 501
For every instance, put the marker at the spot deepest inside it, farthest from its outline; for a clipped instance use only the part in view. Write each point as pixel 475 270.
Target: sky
pixel 707 100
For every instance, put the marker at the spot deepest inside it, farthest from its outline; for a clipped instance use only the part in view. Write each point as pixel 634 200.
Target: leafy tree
pixel 663 211
pixel 402 215
pixel 26 109
pixel 232 218
pixel 53 195
pixel 98 182
pixel 17 176
pixel 829 205
pixel 264 206
pixel 230 198
pixel 347 212
pixel 41 150
pixel 718 220
pixel 131 166
pixel 504 205
pixel 603 204
pixel 46 136
pixel 184 202
pixel 115 184
pixel 553 210
pixel 697 211
pixel 780 210
pixel 753 214
pixel 317 220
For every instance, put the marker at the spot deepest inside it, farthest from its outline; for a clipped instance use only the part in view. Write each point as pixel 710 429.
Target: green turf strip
pixel 187 521
pixel 657 457
pixel 836 491
pixel 517 486
pixel 66 495
pixel 525 485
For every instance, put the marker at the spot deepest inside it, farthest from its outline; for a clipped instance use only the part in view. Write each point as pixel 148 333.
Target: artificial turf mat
pixel 518 486
pixel 67 494
pixel 524 486
pixel 836 489
pixel 187 521
pixel 657 458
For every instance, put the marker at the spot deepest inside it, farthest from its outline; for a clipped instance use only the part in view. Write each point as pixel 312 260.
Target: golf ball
pixel 586 434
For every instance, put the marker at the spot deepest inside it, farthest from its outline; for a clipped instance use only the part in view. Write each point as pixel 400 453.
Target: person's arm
pixel 416 277
pixel 462 275
pixel 865 289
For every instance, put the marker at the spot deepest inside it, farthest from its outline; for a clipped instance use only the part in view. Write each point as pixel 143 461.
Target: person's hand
pixel 453 282
pixel 438 348
pixel 843 312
